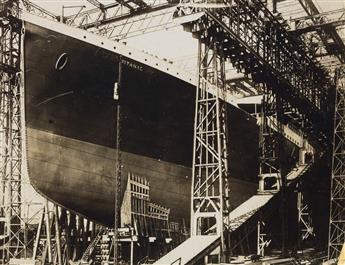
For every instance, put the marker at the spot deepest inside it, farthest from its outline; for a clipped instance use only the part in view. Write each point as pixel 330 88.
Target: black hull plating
pixel 71 114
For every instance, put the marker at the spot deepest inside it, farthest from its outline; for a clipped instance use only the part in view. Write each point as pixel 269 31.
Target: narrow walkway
pixel 190 250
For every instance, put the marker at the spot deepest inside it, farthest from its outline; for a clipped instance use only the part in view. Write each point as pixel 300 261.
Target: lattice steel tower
pixel 210 180
pixel 10 132
pixel 337 203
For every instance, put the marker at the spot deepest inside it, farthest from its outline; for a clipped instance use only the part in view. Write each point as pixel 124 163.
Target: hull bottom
pixel 80 176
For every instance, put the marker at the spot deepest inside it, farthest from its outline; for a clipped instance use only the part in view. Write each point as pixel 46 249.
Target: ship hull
pixel 71 128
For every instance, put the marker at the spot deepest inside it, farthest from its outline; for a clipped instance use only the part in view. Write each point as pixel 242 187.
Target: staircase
pixel 91 247
pixel 102 248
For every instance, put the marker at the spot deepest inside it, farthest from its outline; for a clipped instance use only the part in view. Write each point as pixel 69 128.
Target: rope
pixel 118 169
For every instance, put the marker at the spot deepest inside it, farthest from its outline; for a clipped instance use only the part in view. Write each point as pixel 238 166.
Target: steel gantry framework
pixel 327 32
pixel 337 203
pixel 258 45
pixel 210 178
pixel 316 22
pixel 117 20
pixel 11 236
pixel 37 10
pixel 273 170
pixel 268 145
pixel 269 164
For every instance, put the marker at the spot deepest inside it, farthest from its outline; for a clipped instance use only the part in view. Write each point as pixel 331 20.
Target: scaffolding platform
pixel 298 171
pixel 22 262
pixel 247 209
pixel 197 247
pixel 190 250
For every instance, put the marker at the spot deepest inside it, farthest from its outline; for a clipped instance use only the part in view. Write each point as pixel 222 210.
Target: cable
pixel 118 167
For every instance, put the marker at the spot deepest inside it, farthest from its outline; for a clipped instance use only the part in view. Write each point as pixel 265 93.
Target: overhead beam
pixel 311 9
pixel 93 10
pixel 38 10
pixel 96 4
pixel 324 16
pixel 266 51
pixel 318 27
pixel 118 22
pixel 125 15
pixel 104 13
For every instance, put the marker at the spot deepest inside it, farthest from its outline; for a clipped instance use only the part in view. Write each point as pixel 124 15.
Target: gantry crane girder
pixel 38 10
pixel 97 4
pixel 320 26
pixel 118 22
pixel 258 45
pixel 102 14
pixel 327 32
pixel 132 5
pixel 319 21
pixel 105 14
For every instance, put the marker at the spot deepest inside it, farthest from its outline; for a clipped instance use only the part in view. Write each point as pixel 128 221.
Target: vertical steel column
pixel 10 131
pixel 269 169
pixel 263 241
pixel 305 223
pixel 337 202
pixel 272 177
pixel 281 107
pixel 268 144
pixel 210 183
